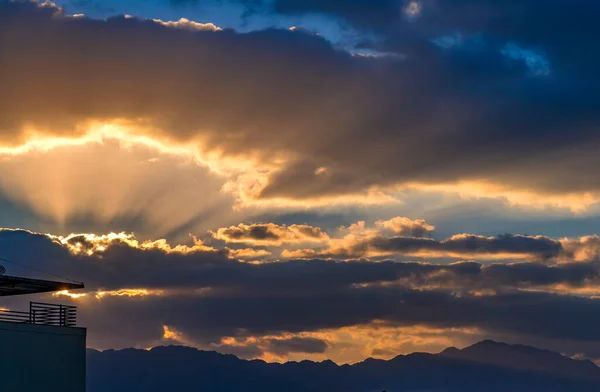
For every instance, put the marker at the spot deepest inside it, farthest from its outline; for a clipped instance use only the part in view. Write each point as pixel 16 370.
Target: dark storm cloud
pixel 439 115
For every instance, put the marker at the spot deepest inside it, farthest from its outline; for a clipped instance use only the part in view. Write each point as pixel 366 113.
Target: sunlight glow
pixel 128 133
pixel 128 293
pixel 244 177
pixel 67 293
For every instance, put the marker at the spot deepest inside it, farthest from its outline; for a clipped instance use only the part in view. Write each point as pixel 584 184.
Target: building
pixel 41 348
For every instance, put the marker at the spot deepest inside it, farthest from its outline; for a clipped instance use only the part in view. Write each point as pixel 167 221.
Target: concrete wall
pixel 41 358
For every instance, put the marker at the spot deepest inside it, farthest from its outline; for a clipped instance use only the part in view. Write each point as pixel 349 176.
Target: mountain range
pixel 484 366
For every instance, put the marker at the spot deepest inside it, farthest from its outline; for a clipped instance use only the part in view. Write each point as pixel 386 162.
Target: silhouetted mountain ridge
pixel 488 365
pixel 522 357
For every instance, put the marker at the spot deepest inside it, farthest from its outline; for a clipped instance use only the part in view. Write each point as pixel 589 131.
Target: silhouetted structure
pixel 42 349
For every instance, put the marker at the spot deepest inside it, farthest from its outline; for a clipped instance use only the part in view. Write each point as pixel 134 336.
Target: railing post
pixel 42 313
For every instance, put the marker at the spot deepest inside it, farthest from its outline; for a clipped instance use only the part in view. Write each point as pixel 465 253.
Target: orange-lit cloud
pixel 577 202
pixel 169 333
pixel 173 336
pixel 249 253
pixel 407 227
pixel 586 248
pixel 342 345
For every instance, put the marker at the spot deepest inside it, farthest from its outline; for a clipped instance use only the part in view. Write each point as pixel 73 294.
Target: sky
pixel 307 179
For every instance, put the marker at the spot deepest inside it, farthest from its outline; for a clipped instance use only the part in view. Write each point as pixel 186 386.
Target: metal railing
pixel 43 313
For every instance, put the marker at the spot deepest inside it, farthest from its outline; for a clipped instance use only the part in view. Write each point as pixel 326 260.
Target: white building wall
pixel 41 358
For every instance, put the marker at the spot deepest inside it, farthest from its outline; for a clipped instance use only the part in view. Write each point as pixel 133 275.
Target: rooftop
pixel 14 285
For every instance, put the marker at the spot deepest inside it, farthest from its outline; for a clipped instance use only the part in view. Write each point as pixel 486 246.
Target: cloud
pixel 209 299
pixel 184 23
pixel 407 227
pixel 284 118
pixel 535 61
pixel 586 248
pixel 270 234
pixel 120 264
pixel 92 243
pixel 270 348
pixel 465 245
pixel 521 314
pixel 297 345
pixel 376 124
pixel 359 240
pixel 412 9
pixel 249 253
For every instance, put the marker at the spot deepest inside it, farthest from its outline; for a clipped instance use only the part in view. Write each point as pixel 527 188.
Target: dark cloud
pixel 256 347
pixel 297 345
pixel 542 247
pixel 121 265
pixel 254 233
pixel 208 296
pixel 440 115
pixel 207 319
pixel 270 233
pixel 460 245
pixel 557 28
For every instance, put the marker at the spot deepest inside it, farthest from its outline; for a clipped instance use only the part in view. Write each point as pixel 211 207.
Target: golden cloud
pixel 576 202
pixel 90 244
pixel 406 227
pixel 249 253
pixel 586 248
pixel 347 345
